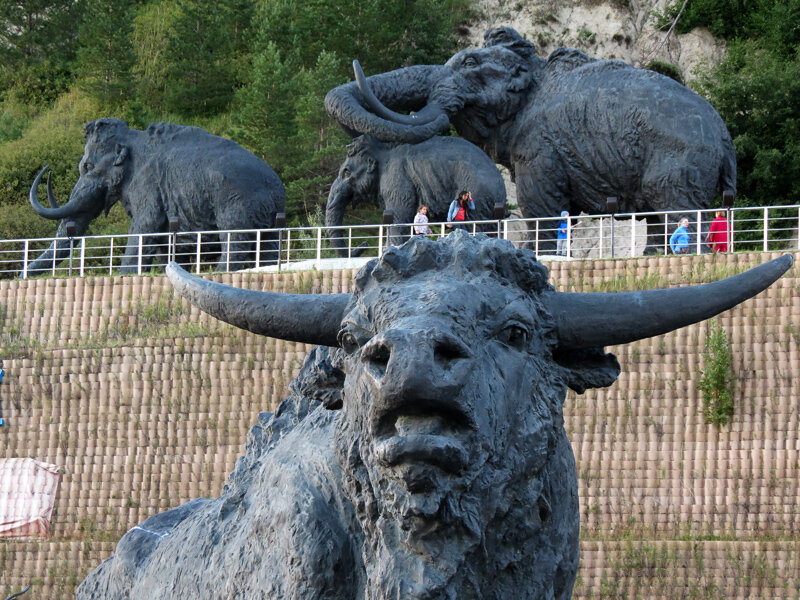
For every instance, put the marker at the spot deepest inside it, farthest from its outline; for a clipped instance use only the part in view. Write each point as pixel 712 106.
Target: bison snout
pixel 436 357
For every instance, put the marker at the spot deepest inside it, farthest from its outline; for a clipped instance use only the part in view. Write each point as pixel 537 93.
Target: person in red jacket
pixel 717 236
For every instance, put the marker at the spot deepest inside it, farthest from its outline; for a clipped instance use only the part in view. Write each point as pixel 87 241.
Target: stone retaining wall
pixel 145 403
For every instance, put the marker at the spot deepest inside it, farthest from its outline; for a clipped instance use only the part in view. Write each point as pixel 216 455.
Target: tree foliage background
pixel 756 89
pixel 257 71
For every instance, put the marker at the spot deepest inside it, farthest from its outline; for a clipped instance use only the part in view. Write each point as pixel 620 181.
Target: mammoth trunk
pixel 58 251
pixel 334 216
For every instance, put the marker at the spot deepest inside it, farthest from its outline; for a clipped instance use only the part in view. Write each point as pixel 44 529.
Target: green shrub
pixel 716 379
pixel 667 69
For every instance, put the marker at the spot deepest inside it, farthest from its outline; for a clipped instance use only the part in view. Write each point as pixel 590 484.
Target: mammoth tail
pixel 727 171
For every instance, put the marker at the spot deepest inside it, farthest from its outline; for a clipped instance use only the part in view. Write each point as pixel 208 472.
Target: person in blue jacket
pixel 461 210
pixel 563 234
pixel 679 241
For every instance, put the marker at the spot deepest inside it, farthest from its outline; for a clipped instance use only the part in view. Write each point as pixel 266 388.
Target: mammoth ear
pixel 511 39
pixel 589 368
pixel 122 154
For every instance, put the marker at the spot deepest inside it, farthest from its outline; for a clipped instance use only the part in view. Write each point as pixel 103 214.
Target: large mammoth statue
pixel 169 170
pixel 400 177
pixel 573 130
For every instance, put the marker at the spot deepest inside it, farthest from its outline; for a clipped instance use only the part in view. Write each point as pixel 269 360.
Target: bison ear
pixel 372 164
pixel 122 154
pixel 589 368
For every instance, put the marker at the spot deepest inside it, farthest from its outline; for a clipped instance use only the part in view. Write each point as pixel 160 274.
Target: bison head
pixel 457 356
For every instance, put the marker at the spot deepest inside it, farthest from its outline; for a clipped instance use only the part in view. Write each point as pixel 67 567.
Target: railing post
pixel 228 252
pixel 199 240
pixel 82 261
pixel 600 249
pixel 798 228
pixel 766 229
pixel 699 232
pixel 666 233
pixel 633 235
pixel 319 247
pixel 380 240
pixel 731 227
pixel 505 229
pixel 139 257
pixel 569 237
pixel 258 247
pixel 349 243
pixel 536 245
pixel 111 257
pixel 25 249
pixel 54 257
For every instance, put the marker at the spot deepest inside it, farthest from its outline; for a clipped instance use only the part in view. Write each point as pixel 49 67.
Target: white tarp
pixel 27 496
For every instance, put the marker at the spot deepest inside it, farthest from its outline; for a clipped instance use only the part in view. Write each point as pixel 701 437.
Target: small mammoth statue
pixel 401 177
pixel 205 181
pixel 573 130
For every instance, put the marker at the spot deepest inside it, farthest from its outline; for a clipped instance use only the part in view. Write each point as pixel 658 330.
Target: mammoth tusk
pixel 430 113
pixel 597 320
pixel 307 318
pixel 50 195
pixel 55 213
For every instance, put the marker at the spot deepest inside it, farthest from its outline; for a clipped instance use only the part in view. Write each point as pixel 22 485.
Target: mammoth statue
pixel 422 453
pixel 401 177
pixel 573 130
pixel 169 170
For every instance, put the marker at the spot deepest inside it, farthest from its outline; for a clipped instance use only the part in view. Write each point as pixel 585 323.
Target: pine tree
pixel 319 140
pixel 151 28
pixel 203 46
pixel 106 57
pixel 264 115
pixel 37 45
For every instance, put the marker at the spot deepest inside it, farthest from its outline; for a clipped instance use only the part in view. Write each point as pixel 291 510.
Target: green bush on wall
pixel 716 379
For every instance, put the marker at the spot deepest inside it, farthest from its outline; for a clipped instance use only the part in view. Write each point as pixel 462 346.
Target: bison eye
pixel 470 61
pixel 348 342
pixel 87 166
pixel 514 335
pixel 345 172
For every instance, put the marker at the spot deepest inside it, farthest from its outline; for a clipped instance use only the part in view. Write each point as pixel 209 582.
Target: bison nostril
pixel 377 356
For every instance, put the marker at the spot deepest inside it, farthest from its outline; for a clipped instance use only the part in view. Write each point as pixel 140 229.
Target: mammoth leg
pixel 237 252
pixel 541 194
pixel 676 189
pixel 404 208
pixel 142 249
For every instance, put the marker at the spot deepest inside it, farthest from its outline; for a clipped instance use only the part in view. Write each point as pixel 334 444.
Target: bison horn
pixel 605 319
pixel 430 113
pixel 56 212
pixel 307 318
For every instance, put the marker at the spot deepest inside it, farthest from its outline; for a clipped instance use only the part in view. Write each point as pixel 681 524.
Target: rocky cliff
pixel 623 29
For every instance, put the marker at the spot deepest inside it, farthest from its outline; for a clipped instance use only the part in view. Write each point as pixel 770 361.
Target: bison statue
pixel 422 453
pixel 573 130
pixel 401 177
pixel 205 181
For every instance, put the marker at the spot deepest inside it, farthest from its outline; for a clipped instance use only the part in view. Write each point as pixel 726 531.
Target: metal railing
pixel 594 236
